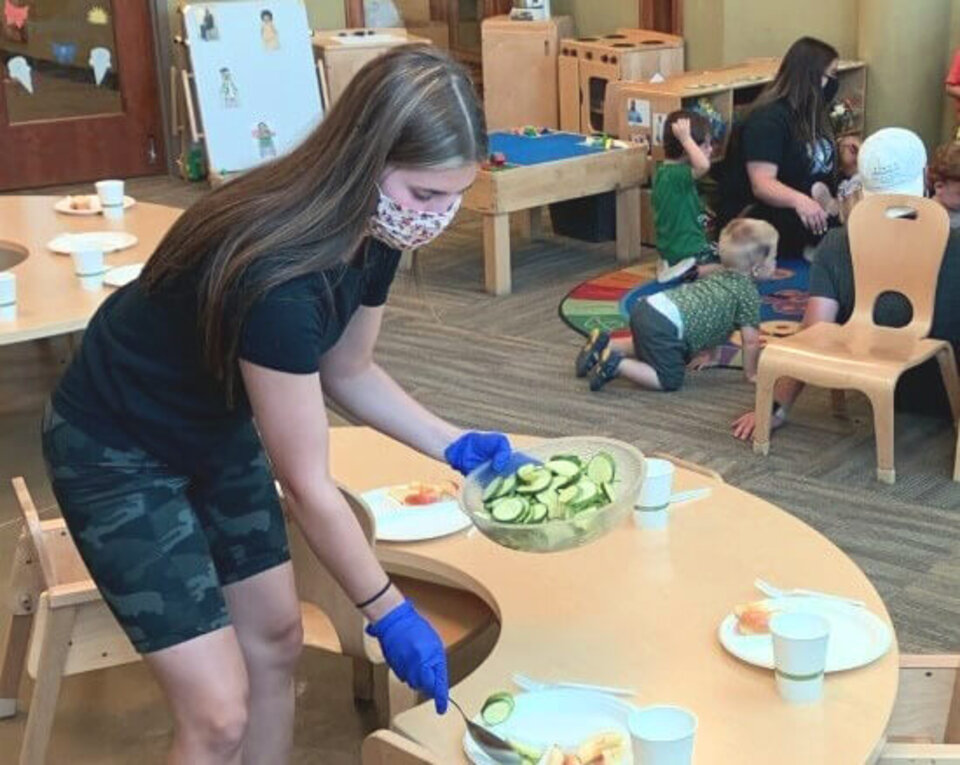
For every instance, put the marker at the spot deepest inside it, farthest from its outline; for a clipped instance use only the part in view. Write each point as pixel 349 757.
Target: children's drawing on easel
pixel 15 21
pixel 208 25
pixel 229 95
pixel 268 32
pixel 264 137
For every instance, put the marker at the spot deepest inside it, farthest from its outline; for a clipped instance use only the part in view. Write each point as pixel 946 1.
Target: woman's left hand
pixel 473 449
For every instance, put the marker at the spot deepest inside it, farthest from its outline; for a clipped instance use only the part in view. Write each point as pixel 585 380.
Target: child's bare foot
pixel 706 359
pixel 822 196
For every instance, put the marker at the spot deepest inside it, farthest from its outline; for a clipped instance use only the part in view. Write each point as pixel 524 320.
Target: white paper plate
pixel 121 275
pixel 399 523
pixel 557 717
pixel 63 205
pixel 108 241
pixel 857 636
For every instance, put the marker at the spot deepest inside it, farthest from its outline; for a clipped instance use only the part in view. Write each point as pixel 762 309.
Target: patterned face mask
pixel 405 229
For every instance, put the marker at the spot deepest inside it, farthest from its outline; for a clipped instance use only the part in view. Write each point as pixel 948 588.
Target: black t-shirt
pixel 767 135
pixel 139 378
pixel 921 389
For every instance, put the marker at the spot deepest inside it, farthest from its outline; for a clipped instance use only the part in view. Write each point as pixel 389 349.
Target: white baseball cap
pixel 893 161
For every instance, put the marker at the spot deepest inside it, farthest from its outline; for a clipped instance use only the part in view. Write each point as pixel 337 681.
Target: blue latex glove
pixel 414 652
pixel 472 450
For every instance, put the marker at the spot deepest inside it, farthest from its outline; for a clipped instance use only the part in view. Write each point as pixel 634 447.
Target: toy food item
pixel 753 618
pixel 559 489
pixel 417 494
pixel 610 748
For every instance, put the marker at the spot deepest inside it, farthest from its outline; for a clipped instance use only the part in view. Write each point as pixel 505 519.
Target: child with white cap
pixel 891 161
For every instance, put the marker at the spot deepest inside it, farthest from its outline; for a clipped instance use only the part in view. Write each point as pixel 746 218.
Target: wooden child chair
pixel 890 254
pixel 73 630
pixel 384 747
pixel 925 724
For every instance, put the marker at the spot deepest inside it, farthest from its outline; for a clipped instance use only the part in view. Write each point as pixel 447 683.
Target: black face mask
pixel 830 89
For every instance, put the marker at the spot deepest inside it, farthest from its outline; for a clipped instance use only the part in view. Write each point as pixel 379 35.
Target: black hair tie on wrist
pixel 376 597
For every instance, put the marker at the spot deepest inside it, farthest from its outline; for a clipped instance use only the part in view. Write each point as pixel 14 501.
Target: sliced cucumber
pixel 601 469
pixel 497 708
pixel 565 468
pixel 569 458
pixel 509 485
pixel 567 495
pixel 587 494
pixel 508 510
pixel 538 482
pixel 538 513
pixel 526 472
pixel 492 490
pixel 609 491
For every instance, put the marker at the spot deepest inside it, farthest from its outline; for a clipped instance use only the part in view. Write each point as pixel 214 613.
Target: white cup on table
pixel 650 511
pixel 8 288
pixel 110 193
pixel 799 655
pixel 88 262
pixel 662 735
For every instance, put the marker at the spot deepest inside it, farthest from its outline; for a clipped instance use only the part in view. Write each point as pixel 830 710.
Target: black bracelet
pixel 376 597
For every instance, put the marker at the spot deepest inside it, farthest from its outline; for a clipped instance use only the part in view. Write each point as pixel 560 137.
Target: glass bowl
pixel 561 534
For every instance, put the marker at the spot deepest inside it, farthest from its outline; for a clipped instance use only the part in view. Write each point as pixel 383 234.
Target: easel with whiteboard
pixel 244 84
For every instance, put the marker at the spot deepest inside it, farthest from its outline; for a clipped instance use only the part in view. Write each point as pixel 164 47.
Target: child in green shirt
pixel 683 327
pixel 678 213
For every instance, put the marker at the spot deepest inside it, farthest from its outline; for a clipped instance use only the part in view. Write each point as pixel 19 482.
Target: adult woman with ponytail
pixel 784 153
pixel 263 300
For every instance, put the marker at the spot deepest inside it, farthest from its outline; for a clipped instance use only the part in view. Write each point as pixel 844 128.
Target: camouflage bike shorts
pixel 160 545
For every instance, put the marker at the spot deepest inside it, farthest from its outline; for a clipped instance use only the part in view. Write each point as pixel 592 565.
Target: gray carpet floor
pixel 506 363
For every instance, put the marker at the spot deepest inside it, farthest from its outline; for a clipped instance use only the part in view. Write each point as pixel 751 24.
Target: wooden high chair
pixel 890 254
pixel 61 626
pixel 384 747
pixel 925 724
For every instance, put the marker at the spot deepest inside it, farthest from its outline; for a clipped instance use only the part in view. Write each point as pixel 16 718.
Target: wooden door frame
pixel 353 12
pixel 36 138
pixel 669 10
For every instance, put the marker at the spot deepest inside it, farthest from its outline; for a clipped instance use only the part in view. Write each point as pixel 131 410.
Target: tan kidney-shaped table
pixel 640 609
pixel 51 300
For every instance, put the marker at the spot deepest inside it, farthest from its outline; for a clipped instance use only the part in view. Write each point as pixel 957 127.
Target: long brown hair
pixel 798 83
pixel 308 211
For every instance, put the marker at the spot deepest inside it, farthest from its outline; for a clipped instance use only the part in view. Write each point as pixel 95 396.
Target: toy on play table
pixel 531 131
pixel 496 161
pixel 601 141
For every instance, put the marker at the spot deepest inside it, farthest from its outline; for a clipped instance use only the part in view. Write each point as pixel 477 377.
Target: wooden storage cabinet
pixel 520 71
pixel 342 60
pixel 589 64
pixel 731 91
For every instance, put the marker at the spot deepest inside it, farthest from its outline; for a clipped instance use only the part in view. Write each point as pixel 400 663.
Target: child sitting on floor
pixel 849 188
pixel 684 327
pixel 678 213
pixel 944 177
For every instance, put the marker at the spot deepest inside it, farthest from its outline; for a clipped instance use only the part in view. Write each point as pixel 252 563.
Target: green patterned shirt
pixel 713 307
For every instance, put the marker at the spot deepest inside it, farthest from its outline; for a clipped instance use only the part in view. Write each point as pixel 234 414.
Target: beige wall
pixel 905 83
pixel 768 27
pixel 703 32
pixel 594 17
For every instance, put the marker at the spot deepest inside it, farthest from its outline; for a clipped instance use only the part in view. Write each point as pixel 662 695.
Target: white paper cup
pixel 662 735
pixel 657 485
pixel 799 655
pixel 650 519
pixel 110 193
pixel 113 213
pixel 8 312
pixel 88 262
pixel 92 283
pixel 8 288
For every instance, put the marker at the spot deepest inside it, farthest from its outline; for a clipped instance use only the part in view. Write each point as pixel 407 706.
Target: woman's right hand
pixel 414 651
pixel 811 214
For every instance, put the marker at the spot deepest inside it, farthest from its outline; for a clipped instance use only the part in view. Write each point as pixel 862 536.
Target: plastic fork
pixel 529 684
pixel 775 592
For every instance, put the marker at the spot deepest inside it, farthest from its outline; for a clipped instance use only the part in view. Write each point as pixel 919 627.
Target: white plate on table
pixel 122 275
pixel 857 636
pixel 107 241
pixel 557 717
pixel 93 200
pixel 397 522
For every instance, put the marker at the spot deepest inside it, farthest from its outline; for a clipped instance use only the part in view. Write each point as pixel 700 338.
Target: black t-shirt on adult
pixel 139 378
pixel 768 135
pixel 920 390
